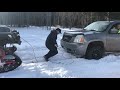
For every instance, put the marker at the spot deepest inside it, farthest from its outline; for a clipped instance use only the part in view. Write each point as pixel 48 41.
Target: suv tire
pixel 95 52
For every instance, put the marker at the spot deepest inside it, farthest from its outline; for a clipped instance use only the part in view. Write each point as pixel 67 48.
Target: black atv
pixel 8 59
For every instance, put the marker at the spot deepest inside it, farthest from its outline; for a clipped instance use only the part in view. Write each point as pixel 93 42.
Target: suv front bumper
pixel 74 48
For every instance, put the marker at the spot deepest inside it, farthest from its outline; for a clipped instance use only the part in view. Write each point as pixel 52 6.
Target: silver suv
pixel 94 40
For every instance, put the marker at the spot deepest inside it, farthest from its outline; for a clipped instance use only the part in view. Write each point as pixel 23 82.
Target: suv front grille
pixel 67 38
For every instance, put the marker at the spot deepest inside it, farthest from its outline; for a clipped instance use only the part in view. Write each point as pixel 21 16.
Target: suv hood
pixel 81 32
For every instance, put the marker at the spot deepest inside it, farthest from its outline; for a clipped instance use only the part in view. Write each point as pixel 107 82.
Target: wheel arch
pixel 95 43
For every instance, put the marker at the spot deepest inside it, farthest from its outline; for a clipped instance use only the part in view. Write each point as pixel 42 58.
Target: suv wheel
pixel 95 52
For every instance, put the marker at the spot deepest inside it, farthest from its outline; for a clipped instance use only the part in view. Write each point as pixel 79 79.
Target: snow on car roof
pixel 3 26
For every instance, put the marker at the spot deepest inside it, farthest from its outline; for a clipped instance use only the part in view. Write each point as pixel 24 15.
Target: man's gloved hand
pixel 56 45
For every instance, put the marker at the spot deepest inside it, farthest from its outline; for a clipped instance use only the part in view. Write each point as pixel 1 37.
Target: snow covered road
pixel 63 65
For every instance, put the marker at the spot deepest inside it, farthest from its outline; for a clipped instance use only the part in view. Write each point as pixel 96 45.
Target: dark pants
pixel 52 51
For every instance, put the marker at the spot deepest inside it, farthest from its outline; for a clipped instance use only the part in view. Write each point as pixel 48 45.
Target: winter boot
pixel 46 59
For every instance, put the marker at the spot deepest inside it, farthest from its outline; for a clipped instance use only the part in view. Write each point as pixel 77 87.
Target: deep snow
pixel 63 65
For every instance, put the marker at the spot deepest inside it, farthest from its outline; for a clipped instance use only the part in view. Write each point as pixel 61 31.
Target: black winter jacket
pixel 51 39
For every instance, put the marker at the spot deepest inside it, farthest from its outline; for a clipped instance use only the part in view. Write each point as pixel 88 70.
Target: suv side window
pixel 115 29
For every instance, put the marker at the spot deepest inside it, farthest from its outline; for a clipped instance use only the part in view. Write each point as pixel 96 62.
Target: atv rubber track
pixel 7 68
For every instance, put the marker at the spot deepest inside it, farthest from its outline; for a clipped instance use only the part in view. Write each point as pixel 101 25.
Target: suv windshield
pixel 97 26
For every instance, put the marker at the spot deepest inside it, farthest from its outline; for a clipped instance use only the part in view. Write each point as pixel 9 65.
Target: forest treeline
pixel 65 19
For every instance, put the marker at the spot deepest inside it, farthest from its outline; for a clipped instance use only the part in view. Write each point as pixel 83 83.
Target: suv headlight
pixel 79 39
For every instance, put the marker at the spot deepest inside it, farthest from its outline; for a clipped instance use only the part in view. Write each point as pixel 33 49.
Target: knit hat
pixel 58 29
